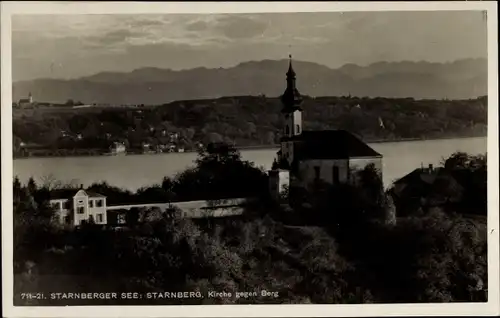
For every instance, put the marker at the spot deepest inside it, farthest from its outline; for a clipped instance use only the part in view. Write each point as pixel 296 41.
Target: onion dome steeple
pixel 291 98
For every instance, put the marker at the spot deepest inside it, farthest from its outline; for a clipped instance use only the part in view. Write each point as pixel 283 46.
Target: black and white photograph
pixel 228 154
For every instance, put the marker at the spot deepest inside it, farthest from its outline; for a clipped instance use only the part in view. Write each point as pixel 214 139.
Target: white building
pixel 331 156
pixel 84 206
pixel 118 148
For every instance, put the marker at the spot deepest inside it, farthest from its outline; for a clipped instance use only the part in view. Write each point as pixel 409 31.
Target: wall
pixel 307 174
pixel 80 200
pixel 193 209
pixel 292 120
pixel 94 211
pixel 297 120
pixel 60 209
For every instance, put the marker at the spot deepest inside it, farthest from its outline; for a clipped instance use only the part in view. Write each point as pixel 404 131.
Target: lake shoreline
pixel 134 172
pixel 243 148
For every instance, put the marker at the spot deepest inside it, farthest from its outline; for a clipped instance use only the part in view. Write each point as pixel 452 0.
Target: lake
pixel 135 171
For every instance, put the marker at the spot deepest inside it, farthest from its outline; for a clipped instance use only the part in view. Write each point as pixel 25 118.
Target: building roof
pixel 291 98
pixel 62 193
pixel 421 175
pixel 330 144
pixel 94 194
pixel 70 193
pixel 428 182
pixel 24 100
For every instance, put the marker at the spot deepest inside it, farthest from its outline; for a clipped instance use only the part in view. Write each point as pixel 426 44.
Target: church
pixel 24 102
pixel 332 156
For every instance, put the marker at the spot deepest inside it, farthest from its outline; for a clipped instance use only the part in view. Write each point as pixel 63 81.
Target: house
pixel 78 208
pixel 118 148
pixel 428 187
pixel 332 156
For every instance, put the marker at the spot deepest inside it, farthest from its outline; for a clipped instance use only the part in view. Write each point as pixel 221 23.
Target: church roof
pixel 331 144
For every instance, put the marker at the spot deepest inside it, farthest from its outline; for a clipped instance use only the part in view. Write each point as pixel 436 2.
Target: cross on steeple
pixel 291 72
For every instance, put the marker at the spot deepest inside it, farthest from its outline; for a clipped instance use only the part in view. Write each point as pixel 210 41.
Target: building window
pixel 80 201
pixel 298 129
pixel 98 203
pixel 91 203
pixel 287 130
pixel 316 172
pixel 66 220
pixel 80 210
pixel 67 205
pixel 56 205
pixel 100 218
pixel 121 219
pixel 335 175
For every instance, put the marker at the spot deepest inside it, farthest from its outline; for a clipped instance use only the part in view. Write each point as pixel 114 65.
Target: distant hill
pixel 457 80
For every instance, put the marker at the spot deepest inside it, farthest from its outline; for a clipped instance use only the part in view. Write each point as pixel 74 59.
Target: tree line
pixel 242 121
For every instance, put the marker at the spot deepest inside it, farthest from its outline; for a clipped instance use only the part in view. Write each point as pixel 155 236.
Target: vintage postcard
pixel 266 159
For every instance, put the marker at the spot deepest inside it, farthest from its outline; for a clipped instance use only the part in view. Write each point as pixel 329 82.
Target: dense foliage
pixel 243 121
pixel 460 186
pixel 435 257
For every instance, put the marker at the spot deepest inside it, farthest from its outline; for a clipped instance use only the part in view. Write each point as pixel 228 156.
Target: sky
pixel 72 46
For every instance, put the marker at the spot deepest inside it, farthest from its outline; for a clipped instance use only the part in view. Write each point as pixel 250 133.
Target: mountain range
pixel 460 79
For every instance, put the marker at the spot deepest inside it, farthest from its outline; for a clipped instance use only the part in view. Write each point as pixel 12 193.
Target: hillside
pixel 151 86
pixel 244 121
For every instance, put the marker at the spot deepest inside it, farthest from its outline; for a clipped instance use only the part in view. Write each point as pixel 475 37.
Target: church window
pixel 316 172
pixel 287 130
pixel 298 129
pixel 335 175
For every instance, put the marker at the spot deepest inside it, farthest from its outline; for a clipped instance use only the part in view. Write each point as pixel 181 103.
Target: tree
pixel 275 164
pixel 189 133
pixel 50 182
pixel 458 160
pixel 251 128
pixel 371 188
pixel 214 137
pixel 168 185
pixel 32 187
pixel 17 190
pixel 218 153
pixel 270 138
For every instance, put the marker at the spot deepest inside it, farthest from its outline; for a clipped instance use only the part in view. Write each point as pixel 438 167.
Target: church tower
pixel 292 113
pixel 30 98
